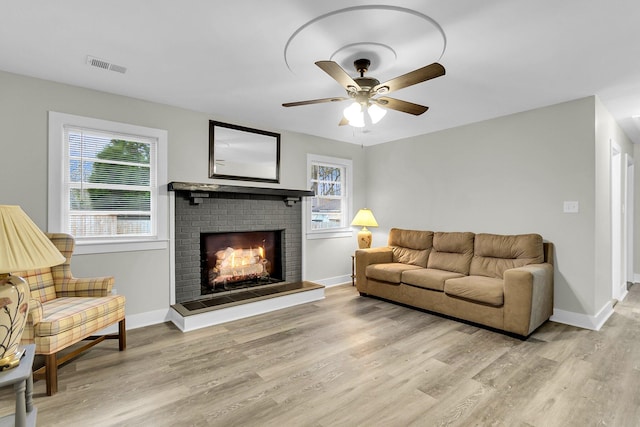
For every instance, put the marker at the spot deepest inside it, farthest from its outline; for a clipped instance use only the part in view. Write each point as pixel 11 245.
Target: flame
pixel 241 262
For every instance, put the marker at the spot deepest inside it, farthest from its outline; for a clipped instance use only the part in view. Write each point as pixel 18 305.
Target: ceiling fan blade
pixel 314 101
pixel 339 75
pixel 343 122
pixel 398 105
pixel 416 76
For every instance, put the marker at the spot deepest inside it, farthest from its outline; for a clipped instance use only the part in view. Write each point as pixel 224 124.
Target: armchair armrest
pixel 33 318
pixel 528 297
pixel 85 287
pixel 365 257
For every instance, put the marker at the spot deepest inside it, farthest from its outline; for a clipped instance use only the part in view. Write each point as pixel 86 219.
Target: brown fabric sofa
pixel 500 281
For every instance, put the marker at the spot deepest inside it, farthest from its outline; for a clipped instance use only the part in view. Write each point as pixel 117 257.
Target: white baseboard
pixel 636 278
pixel 624 294
pixel 333 281
pixel 581 320
pixel 135 321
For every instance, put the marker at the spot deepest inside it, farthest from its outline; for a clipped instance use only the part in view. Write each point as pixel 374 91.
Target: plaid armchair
pixel 64 311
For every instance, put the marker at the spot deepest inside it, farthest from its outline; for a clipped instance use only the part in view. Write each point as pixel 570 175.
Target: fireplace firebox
pixel 232 260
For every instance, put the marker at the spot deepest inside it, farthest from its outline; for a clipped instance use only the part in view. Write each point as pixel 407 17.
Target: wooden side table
pixel 21 377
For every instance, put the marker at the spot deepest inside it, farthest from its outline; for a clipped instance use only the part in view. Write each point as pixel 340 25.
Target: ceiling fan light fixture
pixel 354 114
pixel 376 113
pixel 367 110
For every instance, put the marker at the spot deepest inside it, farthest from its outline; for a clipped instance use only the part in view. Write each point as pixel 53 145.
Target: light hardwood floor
pixel 354 361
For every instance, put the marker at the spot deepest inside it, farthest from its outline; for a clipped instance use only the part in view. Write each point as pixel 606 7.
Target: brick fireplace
pixel 203 209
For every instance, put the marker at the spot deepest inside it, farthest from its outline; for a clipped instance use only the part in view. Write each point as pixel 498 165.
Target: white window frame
pixel 345 231
pixel 57 209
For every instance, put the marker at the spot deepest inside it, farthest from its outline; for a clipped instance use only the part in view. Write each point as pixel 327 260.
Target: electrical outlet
pixel 114 291
pixel 571 206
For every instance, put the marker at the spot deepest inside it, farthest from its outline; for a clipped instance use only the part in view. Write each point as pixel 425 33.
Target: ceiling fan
pixel 364 90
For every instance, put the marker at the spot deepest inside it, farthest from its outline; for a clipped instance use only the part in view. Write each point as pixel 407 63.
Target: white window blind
pixel 328 204
pixel 110 187
pixel 328 211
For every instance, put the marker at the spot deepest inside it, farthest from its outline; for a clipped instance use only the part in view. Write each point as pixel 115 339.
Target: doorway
pixel 629 217
pixel 618 271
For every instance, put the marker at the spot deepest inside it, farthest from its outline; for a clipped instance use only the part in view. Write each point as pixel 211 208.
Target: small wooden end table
pixel 21 377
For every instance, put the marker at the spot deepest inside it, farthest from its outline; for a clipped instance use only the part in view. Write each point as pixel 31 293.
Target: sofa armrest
pixel 528 297
pixel 85 287
pixel 365 257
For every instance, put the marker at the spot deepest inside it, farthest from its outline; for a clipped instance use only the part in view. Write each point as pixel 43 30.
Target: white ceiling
pixel 227 58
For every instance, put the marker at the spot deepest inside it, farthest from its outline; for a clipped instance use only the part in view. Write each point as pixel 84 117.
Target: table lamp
pixel 364 218
pixel 23 246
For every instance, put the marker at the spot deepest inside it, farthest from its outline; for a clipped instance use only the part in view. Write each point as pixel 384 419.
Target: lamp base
pixel 364 238
pixel 14 307
pixel 12 360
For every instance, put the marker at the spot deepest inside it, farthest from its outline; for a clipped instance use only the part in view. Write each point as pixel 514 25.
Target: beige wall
pixel 509 175
pixel 144 277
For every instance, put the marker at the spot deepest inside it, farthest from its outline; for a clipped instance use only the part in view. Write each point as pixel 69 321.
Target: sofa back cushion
pixel 452 251
pixel 410 246
pixel 493 254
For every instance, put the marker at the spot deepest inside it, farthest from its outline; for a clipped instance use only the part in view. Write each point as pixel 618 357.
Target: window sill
pixel 89 247
pixel 329 234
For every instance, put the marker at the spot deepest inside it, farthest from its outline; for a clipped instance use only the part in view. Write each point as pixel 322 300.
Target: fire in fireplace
pixel 233 260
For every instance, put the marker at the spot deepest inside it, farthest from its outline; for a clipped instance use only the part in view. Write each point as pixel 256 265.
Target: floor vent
pixel 105 65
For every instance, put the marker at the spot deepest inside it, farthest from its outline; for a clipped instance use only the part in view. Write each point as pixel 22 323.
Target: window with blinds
pixel 109 185
pixel 106 184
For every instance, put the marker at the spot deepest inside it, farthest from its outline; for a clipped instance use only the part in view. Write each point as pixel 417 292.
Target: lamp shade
pixel 364 218
pixel 23 246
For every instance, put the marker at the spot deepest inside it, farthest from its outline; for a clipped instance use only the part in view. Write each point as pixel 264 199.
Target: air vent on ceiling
pixel 105 65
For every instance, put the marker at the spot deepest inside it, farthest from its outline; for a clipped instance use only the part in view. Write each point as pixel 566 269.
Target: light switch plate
pixel 571 206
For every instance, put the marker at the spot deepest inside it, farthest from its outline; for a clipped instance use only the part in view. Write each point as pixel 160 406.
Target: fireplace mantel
pixel 198 191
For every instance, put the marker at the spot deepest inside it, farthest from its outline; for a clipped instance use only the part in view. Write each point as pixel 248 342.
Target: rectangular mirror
pixel 237 152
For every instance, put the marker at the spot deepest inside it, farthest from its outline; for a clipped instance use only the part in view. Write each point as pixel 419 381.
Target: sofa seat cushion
pixel 69 319
pixel 487 290
pixel 389 272
pixel 428 278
